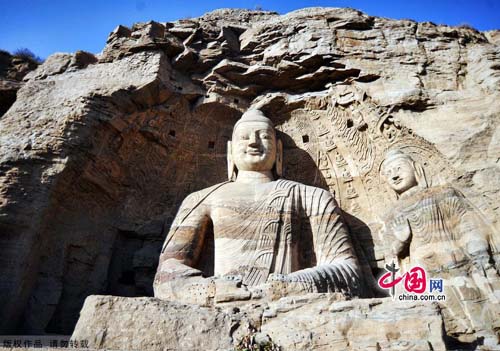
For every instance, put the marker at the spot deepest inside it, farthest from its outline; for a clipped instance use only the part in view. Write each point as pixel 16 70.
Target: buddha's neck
pixel 410 192
pixel 250 177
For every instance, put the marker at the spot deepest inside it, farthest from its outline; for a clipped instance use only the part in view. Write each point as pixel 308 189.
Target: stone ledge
pixel 315 322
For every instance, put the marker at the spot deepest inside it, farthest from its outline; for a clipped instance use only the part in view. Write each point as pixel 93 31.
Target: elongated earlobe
pixel 279 158
pixel 231 169
pixel 420 175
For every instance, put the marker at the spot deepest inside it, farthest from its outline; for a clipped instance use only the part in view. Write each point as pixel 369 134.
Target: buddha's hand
pixel 398 232
pixel 401 229
pixel 395 249
pixel 481 261
pixel 230 288
pixel 278 286
pixel 496 259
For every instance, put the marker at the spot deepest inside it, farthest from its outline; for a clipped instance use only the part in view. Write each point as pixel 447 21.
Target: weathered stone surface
pixel 12 71
pixel 310 323
pixel 96 156
pixel 47 129
pixel 169 325
pixel 366 324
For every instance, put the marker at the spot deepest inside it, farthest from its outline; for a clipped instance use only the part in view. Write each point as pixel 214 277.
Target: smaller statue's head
pixel 401 172
pixel 254 145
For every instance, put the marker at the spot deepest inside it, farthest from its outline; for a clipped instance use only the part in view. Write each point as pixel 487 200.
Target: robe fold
pixel 445 235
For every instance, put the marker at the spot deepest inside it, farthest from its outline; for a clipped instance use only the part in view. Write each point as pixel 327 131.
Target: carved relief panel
pixel 346 135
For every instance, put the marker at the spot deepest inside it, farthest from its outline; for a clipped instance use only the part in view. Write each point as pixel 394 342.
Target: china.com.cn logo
pixel 415 284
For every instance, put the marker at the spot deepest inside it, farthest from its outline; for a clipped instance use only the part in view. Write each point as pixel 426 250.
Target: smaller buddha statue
pixel 441 231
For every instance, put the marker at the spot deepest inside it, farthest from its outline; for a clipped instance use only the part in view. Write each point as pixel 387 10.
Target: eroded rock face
pixel 97 152
pixel 12 71
pixel 308 323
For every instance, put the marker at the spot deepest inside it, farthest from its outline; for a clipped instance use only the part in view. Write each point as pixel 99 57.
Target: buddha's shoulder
pixel 304 188
pixel 201 196
pixel 444 191
pixel 222 190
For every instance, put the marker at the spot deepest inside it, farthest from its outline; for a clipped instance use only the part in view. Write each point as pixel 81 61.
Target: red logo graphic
pixel 415 280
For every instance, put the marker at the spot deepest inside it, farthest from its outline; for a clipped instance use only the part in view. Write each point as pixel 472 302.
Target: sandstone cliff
pixel 12 71
pixel 97 152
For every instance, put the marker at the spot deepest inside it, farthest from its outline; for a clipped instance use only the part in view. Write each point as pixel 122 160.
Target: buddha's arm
pixel 337 268
pixel 471 228
pixel 474 237
pixel 176 277
pixel 398 233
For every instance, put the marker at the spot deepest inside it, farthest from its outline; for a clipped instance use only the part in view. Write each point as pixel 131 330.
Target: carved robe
pixel 442 232
pixel 442 229
pixel 294 230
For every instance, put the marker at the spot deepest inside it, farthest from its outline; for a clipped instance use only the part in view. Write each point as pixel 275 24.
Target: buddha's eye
pixel 244 137
pixel 265 136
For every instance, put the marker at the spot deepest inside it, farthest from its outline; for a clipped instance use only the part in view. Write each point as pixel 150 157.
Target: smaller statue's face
pixel 254 146
pixel 400 175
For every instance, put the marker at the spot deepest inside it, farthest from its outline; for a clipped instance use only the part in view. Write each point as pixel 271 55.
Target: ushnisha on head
pixel 254 145
pixel 401 172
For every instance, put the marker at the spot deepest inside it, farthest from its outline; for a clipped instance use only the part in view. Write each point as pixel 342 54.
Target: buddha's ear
pixel 420 175
pixel 279 158
pixel 231 168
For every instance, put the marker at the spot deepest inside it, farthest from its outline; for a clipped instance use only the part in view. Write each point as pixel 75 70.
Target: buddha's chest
pixel 239 217
pixel 238 208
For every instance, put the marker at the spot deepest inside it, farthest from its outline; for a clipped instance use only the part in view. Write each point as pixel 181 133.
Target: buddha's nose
pixel 395 177
pixel 253 141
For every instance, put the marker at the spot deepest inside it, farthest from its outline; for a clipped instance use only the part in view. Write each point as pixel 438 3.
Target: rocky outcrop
pixel 308 323
pixel 98 151
pixel 37 131
pixel 12 71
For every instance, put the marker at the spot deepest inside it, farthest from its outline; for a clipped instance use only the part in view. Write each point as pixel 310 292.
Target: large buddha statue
pixel 437 228
pixel 256 235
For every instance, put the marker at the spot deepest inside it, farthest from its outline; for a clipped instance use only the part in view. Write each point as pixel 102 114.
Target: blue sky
pixel 48 26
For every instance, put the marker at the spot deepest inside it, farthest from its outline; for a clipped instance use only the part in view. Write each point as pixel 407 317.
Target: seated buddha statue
pixel 257 235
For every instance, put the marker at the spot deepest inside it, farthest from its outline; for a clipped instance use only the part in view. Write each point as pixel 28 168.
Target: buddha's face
pixel 254 146
pixel 400 174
